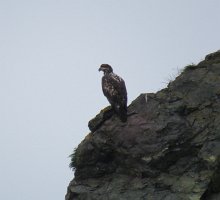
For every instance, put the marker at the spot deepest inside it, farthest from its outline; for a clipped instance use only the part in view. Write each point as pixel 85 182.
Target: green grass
pixel 190 66
pixel 73 162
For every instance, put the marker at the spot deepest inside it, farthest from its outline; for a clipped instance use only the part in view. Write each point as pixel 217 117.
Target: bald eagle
pixel 113 87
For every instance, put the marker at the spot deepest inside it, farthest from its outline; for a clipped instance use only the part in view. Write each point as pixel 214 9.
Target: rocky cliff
pixel 169 149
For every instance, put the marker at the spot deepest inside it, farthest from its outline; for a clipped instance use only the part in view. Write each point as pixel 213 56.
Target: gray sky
pixel 50 51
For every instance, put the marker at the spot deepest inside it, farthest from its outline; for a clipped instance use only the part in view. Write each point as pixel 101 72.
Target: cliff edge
pixel 169 149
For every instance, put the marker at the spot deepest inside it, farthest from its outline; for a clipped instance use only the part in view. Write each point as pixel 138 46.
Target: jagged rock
pixel 99 119
pixel 169 149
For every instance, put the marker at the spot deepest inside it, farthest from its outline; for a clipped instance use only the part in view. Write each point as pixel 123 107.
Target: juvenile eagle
pixel 113 87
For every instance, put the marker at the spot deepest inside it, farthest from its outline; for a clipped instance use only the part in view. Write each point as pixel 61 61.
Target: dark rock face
pixel 169 149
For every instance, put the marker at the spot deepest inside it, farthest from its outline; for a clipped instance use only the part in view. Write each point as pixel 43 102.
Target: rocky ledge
pixel 169 149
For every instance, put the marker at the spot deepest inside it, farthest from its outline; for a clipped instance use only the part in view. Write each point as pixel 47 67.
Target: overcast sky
pixel 50 52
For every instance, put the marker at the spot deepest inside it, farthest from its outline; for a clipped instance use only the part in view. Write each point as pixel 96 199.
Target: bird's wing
pixel 114 88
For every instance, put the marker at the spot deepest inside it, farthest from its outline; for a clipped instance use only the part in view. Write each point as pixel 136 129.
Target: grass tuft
pixel 73 162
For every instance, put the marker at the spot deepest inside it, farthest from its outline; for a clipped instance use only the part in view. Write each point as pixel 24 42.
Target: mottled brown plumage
pixel 114 89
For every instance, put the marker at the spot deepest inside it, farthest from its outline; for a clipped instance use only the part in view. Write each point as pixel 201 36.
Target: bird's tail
pixel 122 114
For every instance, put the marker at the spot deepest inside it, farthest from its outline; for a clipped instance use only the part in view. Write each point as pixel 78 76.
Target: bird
pixel 113 87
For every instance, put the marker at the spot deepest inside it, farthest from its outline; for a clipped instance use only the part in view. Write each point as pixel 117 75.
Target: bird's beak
pixel 100 69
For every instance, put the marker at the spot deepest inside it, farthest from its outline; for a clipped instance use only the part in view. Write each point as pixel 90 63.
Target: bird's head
pixel 106 68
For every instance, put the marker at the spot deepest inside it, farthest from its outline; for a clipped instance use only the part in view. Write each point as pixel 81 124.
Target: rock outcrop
pixel 169 149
